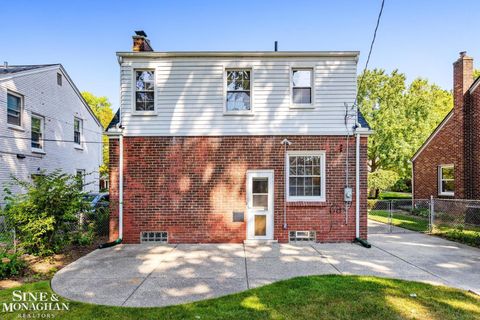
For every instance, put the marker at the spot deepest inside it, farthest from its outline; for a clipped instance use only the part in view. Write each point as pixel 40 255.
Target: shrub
pixel 46 213
pixel 380 180
pixel 10 264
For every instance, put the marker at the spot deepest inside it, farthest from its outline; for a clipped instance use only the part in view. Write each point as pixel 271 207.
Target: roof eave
pixel 272 54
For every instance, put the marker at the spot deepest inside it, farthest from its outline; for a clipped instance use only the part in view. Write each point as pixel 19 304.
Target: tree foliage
pixel 476 74
pixel 381 180
pixel 47 213
pixel 402 117
pixel 101 106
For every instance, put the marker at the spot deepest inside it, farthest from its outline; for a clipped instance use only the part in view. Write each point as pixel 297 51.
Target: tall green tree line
pixel 101 106
pixel 402 116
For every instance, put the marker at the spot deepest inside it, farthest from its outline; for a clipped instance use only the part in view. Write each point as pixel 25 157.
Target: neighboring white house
pixel 45 124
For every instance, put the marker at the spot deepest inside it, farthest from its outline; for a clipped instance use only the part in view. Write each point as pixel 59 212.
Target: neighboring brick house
pixel 448 163
pixel 46 125
pixel 207 139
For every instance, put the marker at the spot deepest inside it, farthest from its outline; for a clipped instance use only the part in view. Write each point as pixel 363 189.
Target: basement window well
pixel 302 236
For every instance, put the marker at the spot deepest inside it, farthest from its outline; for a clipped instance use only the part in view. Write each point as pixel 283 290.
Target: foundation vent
pixel 301 236
pixel 154 236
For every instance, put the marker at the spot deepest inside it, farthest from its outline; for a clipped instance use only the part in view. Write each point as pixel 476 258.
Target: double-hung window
pixel 446 180
pixel 302 79
pixel 305 176
pixel 77 131
pixel 14 109
pixel 144 90
pixel 37 132
pixel 238 98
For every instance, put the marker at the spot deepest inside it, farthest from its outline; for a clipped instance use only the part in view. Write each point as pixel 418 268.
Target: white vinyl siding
pixel 190 97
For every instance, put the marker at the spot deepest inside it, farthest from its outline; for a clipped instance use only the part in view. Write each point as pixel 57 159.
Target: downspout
pixel 120 198
pixel 363 242
pixel 285 143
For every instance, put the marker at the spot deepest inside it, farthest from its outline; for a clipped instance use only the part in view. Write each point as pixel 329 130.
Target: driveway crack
pixel 246 268
pixel 326 258
pixel 148 275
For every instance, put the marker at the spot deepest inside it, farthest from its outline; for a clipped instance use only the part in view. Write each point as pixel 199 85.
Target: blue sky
pixel 420 38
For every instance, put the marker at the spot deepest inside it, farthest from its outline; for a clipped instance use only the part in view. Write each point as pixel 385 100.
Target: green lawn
pixel 400 220
pixel 386 195
pixel 469 236
pixel 315 297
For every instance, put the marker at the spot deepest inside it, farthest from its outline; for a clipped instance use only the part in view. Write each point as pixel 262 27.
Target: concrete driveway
pixel 144 275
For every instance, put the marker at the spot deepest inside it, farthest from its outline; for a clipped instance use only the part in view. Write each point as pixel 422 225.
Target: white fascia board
pixel 270 54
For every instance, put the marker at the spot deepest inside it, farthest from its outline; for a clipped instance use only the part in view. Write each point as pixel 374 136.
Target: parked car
pixel 98 200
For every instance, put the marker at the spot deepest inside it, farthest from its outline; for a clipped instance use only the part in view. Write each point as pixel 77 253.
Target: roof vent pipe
pixel 5 64
pixel 276 46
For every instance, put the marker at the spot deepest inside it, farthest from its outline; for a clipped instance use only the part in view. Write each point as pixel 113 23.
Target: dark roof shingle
pixel 21 68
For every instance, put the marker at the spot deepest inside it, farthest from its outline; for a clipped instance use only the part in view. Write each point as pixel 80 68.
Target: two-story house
pixel 46 125
pixel 234 146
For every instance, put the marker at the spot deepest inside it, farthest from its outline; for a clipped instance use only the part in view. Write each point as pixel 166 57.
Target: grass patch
pixel 400 220
pixel 314 297
pixel 387 195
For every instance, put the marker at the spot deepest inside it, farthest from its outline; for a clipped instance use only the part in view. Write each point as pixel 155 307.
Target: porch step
pixel 259 241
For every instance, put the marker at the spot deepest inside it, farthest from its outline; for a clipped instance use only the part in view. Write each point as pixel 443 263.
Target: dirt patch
pixel 43 268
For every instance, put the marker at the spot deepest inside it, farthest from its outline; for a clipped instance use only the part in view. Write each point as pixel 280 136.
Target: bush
pixel 371 204
pixel 10 264
pixel 46 213
pixel 381 180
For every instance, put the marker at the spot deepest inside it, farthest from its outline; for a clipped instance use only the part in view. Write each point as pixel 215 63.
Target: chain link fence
pixel 399 216
pixel 457 220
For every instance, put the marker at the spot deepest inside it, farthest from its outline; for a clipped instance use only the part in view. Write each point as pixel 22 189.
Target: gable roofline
pixel 474 85
pixel 271 54
pixel 50 67
pixel 432 135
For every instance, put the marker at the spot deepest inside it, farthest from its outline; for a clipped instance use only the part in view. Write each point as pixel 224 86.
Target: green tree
pixel 102 109
pixel 401 116
pixel 476 74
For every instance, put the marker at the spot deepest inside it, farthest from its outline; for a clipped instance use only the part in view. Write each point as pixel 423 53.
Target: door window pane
pixel 260 193
pixel 260 225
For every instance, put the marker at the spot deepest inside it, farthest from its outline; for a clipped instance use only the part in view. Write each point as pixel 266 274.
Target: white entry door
pixel 260 205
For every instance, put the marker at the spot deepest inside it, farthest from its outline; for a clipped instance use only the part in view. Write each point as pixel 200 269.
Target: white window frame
pixel 134 95
pixel 42 132
pixel 81 131
pixel 310 105
pixel 237 113
pixel 323 178
pixel 441 179
pixel 22 106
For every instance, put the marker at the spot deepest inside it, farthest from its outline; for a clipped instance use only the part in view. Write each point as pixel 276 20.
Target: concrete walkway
pixel 143 275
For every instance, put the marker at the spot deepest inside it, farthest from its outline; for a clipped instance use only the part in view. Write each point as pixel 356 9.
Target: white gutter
pixel 120 189
pixel 357 186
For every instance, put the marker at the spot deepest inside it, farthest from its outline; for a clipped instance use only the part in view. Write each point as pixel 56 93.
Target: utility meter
pixel 348 194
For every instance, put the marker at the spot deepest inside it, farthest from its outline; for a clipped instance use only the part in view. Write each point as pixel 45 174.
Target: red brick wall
pixel 445 148
pixel 474 102
pixel 189 186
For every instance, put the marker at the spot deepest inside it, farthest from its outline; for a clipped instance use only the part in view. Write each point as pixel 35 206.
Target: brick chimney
pixel 140 42
pixel 462 78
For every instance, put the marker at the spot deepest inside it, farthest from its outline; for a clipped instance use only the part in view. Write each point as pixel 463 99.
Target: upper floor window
pixel 238 91
pixel 306 176
pixel 144 90
pixel 37 132
pixel 59 79
pixel 14 109
pixel 302 86
pixel 77 130
pixel 446 180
